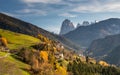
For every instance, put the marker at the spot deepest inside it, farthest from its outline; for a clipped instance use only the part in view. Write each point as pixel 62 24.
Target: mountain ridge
pixel 84 35
pixel 16 25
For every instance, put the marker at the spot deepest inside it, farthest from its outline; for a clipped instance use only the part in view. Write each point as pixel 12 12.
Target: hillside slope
pixel 16 40
pixel 48 57
pixel 113 56
pixel 16 25
pixel 12 66
pixel 101 47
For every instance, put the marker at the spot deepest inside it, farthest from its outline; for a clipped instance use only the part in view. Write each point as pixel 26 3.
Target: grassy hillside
pixel 16 40
pixel 12 66
pixel 8 64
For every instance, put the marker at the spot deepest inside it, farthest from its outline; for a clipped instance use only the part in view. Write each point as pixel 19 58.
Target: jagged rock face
pixel 85 23
pixel 67 26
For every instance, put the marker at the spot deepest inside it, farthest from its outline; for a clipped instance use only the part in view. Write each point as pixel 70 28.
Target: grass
pixel 12 65
pixel 16 40
pixel 2 54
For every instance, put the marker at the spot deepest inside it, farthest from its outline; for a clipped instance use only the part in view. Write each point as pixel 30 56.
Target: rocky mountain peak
pixel 66 27
pixel 85 23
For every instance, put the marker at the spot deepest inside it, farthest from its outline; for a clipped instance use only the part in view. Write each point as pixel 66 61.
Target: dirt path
pixel 5 55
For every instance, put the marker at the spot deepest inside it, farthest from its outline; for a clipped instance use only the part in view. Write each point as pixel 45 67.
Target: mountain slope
pixel 84 35
pixel 16 25
pixel 113 56
pixel 30 50
pixel 12 66
pixel 101 47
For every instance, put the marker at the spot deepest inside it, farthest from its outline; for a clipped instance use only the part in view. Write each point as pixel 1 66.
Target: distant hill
pixel 84 35
pixel 19 26
pixel 100 48
pixel 114 56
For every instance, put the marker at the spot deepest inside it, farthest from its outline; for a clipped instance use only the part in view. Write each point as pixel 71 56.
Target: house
pixel 59 55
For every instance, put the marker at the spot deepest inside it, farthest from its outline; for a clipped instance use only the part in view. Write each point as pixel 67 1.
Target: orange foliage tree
pixel 44 55
pixel 103 63
pixel 3 41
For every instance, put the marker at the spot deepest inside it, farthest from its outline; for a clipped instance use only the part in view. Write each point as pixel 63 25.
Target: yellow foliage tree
pixel 51 58
pixel 43 39
pixel 3 41
pixel 60 71
pixel 44 55
pixel 103 63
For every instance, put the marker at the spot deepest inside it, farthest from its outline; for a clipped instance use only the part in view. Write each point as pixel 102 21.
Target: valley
pixel 26 49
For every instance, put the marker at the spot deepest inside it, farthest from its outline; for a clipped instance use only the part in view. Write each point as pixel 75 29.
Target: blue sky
pixel 49 14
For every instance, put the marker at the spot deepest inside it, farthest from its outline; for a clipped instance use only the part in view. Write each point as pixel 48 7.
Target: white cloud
pixel 113 7
pixel 82 6
pixel 87 9
pixel 33 11
pixel 96 6
pixel 67 15
pixel 41 1
pixel 52 28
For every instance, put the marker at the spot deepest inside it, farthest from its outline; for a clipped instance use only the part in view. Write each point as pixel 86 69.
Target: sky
pixel 49 14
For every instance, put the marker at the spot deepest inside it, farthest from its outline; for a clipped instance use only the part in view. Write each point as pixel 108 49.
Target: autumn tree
pixel 60 70
pixel 44 55
pixel 35 64
pixel 3 41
